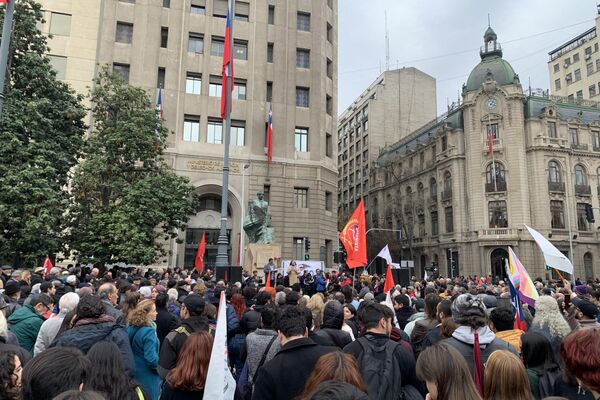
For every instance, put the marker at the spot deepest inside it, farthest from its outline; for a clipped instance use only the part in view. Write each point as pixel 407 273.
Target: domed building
pixel 462 187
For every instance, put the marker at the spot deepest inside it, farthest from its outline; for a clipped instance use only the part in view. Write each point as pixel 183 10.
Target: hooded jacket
pixel 512 336
pixel 174 341
pixel 25 323
pixel 331 333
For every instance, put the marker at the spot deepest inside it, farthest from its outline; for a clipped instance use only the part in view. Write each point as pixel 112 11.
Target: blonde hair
pixel 140 315
pixel 316 305
pixel 506 378
pixel 548 315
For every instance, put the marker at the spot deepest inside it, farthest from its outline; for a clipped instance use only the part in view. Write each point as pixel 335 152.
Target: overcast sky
pixel 442 38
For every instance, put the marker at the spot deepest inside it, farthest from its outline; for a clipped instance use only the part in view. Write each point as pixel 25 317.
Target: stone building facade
pixel 461 205
pixel 285 56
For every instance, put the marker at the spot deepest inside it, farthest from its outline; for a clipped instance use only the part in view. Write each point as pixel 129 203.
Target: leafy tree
pixel 125 200
pixel 41 134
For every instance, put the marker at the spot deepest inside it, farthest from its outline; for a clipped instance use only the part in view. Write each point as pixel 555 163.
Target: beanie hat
pixel 12 287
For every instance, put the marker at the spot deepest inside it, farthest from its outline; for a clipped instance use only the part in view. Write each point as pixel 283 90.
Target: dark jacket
pixel 331 333
pixel 402 315
pixel 173 342
pixel 113 312
pixel 23 355
pixel 466 349
pixel 88 332
pixel 165 323
pixel 273 380
pixel 25 323
pixel 250 320
pixel 421 329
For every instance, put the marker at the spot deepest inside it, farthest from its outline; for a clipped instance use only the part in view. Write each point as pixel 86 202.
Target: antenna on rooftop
pixel 387 45
pixel 489 25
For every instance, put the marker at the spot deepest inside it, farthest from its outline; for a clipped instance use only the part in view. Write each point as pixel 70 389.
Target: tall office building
pixel 394 105
pixel 285 55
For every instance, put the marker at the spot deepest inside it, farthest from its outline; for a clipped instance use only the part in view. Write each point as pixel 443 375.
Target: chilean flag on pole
pixel 47 262
pixel 199 261
pixel 270 135
pixel 490 140
pixel 227 62
pixel 518 310
pixel 159 103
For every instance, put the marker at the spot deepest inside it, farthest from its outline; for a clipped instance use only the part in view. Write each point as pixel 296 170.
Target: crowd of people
pixel 132 334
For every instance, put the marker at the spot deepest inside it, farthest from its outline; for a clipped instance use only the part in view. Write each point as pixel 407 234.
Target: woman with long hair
pixel 131 301
pixel 446 374
pixel 550 322
pixel 336 366
pixel 10 376
pixel 316 305
pixel 108 376
pixel 145 346
pixel 542 368
pixel 188 378
pixel 237 343
pixel 506 378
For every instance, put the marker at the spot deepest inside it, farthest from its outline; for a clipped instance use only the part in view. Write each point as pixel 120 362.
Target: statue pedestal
pixel 257 255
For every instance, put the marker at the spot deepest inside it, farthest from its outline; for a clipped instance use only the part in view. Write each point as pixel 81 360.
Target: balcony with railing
pixel 583 190
pixel 447 195
pixel 496 145
pixel 492 187
pixel 557 187
pixel 497 233
pixel 579 146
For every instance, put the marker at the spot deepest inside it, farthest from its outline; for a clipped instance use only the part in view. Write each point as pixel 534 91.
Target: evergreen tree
pixel 41 134
pixel 125 200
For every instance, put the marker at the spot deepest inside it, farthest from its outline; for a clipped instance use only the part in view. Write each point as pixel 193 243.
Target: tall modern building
pixel 285 56
pixel 468 182
pixel 574 67
pixel 395 104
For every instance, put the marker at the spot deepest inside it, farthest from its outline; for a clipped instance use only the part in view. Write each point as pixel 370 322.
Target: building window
pixel 328 145
pixel 198 7
pixel 552 130
pixel 598 64
pixel 554 175
pixel 238 133
pixel 301 139
pixel 590 68
pixel 579 95
pixel 167 3
pixel 328 201
pixel 191 128
pixel 557 84
pixel 493 128
pixel 217 46
pixel 214 132
pixel 449 219
pixel 269 52
pixel 556 67
pixel 444 143
pixel 298 248
pixel 300 198
pixel 329 68
pixel 580 175
pixel 434 223
pixel 269 91
pixel 303 23
pixel 160 80
pixel 196 43
pixel 128 1
pixel 214 87
pixel 582 222
pixel 433 189
pixel 164 37
pixel 577 75
pixel 193 83
pixel 329 33
pixel 122 70
pixel 569 78
pixel 498 214
pixel 574 136
pixel 557 212
pixel 240 50
pixel 302 96
pixel 596 140
pixel 239 89
pixel 447 182
pixel 329 104
pixel 60 24
pixel 302 58
pixel 592 90
pixel 220 8
pixel 59 63
pixel 575 57
pixel 242 11
pixel 267 193
pixel 124 32
pixel 495 178
pixel 271 15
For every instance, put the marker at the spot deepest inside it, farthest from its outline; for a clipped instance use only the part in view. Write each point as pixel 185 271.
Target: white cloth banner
pixel 220 384
pixel 310 266
pixel 385 254
pixel 552 256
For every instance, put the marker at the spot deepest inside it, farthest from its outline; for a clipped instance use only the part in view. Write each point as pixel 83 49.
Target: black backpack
pixel 379 370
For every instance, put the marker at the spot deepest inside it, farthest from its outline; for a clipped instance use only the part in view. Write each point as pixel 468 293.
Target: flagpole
pixel 222 259
pixel 4 47
pixel 492 149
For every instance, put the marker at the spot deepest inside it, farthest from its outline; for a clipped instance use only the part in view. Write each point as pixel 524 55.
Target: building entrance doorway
pixel 498 262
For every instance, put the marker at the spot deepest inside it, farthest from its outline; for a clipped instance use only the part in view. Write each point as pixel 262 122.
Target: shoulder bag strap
pixel 264 356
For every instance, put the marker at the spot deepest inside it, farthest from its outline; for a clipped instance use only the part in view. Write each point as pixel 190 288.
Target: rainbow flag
pixel 520 279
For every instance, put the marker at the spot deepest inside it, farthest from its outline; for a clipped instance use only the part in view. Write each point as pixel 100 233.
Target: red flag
pixel 199 261
pixel 354 238
pixel 389 280
pixel 490 140
pixel 47 262
pixel 270 135
pixel 4 1
pixel 268 283
pixel 227 69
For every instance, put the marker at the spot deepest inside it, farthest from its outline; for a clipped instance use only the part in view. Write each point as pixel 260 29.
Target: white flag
pixel 220 384
pixel 553 257
pixel 385 254
pixel 425 277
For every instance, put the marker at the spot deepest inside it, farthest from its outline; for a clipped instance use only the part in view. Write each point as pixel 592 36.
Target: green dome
pixel 495 68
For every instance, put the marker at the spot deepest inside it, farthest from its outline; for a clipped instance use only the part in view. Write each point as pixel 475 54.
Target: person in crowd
pixel 580 352
pixel 270 268
pixel 50 327
pixel 141 329
pixel 193 320
pixel 165 321
pixel 542 367
pixel 425 325
pixel 10 375
pixel 336 390
pixel 320 282
pixel 292 273
pixel 350 321
pixel 331 333
pixel 90 326
pixel 443 311
pixel 403 310
pixel 107 375
pixel 187 380
pixel 334 366
pixel 26 322
pixel 12 295
pixel 263 341
pixel 376 346
pixel 173 305
pixel 9 342
pixel 236 345
pixel 54 371
pixel 419 314
pixel 110 298
pixel 316 305
pixel 586 313
pixel 446 374
pixel 506 378
pixel 79 395
pixel 131 301
pixel 502 323
pixel 251 319
pixel 469 312
pixel 298 353
pixel 550 322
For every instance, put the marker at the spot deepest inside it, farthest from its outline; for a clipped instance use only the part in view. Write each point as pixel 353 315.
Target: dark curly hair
pixel 90 306
pixel 9 391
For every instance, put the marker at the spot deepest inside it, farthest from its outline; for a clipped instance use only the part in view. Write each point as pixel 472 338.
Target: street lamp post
pixel 241 249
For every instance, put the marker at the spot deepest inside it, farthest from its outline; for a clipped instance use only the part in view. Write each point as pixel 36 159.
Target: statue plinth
pixel 257 255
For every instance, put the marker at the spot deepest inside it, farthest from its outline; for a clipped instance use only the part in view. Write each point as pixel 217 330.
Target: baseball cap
pixel 194 304
pixel 586 307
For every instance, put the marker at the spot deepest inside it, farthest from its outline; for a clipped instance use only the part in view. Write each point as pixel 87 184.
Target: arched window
pixel 496 169
pixel 433 188
pixel 598 173
pixel 447 181
pixel 580 175
pixel 554 175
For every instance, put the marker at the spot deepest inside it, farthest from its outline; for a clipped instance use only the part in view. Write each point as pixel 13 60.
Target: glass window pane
pixel 60 24
pixel 217 47
pixel 59 64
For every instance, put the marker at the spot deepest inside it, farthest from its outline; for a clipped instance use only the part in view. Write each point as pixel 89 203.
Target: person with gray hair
pixel 110 297
pixel 280 299
pixel 50 327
